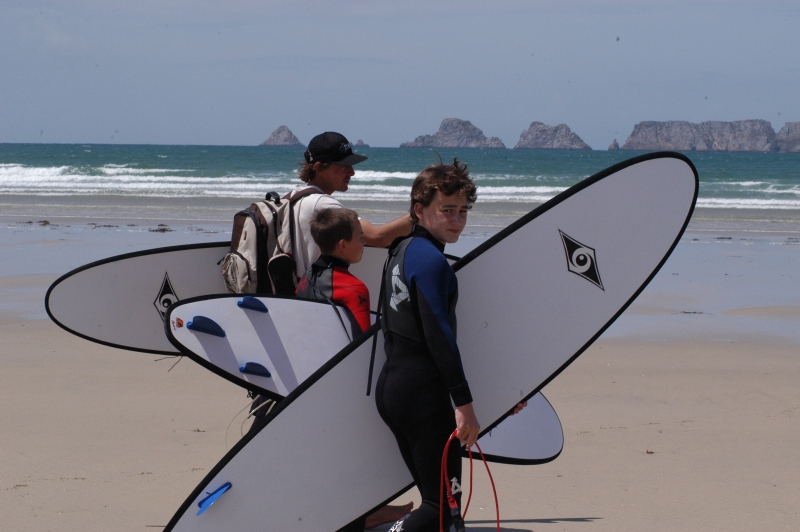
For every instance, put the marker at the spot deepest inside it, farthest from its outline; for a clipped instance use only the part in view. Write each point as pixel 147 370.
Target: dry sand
pixel 95 438
pixel 664 436
pixel 658 436
pixel 684 416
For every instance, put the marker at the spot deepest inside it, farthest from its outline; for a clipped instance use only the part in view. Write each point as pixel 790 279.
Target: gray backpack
pixel 262 247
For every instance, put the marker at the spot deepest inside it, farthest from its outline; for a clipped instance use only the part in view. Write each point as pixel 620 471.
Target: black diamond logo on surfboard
pixel 581 260
pixel 166 297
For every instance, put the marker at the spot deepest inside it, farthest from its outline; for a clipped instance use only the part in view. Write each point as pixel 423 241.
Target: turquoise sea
pixel 62 206
pixel 764 181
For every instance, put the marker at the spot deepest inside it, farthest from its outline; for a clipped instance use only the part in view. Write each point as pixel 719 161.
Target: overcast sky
pixel 210 72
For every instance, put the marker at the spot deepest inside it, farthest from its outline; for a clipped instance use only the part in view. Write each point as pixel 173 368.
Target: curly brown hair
pixel 307 172
pixel 448 179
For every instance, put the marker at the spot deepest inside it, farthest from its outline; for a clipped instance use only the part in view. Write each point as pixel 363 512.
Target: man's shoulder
pixel 324 201
pixel 316 202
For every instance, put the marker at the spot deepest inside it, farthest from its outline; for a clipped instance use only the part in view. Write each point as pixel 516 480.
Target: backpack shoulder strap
pixel 300 194
pixel 297 196
pixel 274 212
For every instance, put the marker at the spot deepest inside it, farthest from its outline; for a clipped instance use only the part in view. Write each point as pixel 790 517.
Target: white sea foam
pixel 760 187
pixel 777 190
pixel 371 175
pixel 368 185
pixel 112 170
pixel 729 203
pixel 746 183
pixel 520 190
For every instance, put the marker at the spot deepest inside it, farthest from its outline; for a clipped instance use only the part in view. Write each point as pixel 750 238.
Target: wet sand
pixel 684 415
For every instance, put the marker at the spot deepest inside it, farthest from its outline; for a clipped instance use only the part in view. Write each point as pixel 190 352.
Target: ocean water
pixel 763 181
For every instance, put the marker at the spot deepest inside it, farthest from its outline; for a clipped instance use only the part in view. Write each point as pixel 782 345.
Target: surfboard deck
pixel 121 301
pixel 292 338
pixel 531 300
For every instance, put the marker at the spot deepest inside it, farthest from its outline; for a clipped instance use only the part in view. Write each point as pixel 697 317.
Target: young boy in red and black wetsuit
pixel 339 236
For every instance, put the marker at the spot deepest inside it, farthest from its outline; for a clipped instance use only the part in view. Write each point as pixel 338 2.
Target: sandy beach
pixel 683 416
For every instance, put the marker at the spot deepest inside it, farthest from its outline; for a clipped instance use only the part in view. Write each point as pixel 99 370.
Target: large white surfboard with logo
pixel 531 300
pixel 121 301
pixel 271 344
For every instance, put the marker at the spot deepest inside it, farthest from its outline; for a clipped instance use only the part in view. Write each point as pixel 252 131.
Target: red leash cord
pixel 458 520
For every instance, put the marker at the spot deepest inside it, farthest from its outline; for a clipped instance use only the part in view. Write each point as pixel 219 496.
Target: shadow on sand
pixel 504 528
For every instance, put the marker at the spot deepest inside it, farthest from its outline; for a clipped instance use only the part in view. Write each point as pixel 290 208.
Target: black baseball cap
pixel 331 147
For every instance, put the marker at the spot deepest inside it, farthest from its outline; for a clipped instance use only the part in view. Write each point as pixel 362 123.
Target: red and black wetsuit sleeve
pixel 350 292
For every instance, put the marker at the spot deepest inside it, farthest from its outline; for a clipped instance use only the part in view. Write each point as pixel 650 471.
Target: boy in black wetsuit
pixel 423 369
pixel 339 236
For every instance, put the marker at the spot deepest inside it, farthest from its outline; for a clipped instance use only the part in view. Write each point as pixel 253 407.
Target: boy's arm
pixel 433 281
pixel 381 236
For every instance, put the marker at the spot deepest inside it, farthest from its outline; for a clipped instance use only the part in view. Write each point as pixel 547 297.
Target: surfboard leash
pixel 444 486
pixel 378 316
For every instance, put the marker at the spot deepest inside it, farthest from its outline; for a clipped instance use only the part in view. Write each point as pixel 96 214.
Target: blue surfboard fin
pixel 252 303
pixel 205 325
pixel 254 368
pixel 206 503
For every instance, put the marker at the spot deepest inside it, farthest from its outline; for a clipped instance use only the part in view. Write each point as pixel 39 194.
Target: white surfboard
pixel 121 301
pixel 271 344
pixel 531 300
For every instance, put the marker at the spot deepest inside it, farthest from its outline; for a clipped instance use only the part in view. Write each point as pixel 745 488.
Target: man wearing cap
pixel 328 167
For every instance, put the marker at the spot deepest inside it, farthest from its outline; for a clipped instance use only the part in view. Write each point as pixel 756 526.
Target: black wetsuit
pixel 423 368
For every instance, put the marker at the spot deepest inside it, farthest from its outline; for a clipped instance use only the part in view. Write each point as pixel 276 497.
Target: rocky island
pixel 455 133
pixel 788 138
pixel 742 135
pixel 543 137
pixel 282 137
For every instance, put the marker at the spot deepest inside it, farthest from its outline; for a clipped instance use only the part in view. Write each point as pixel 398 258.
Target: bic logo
pixel 166 297
pixel 581 260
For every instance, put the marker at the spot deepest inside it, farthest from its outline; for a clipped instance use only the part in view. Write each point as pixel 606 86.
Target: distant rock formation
pixel 361 144
pixel 788 138
pixel 614 146
pixel 543 137
pixel 282 137
pixel 742 135
pixel 455 133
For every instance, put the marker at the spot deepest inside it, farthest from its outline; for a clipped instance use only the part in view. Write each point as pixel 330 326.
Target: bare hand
pixel 519 407
pixel 467 425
